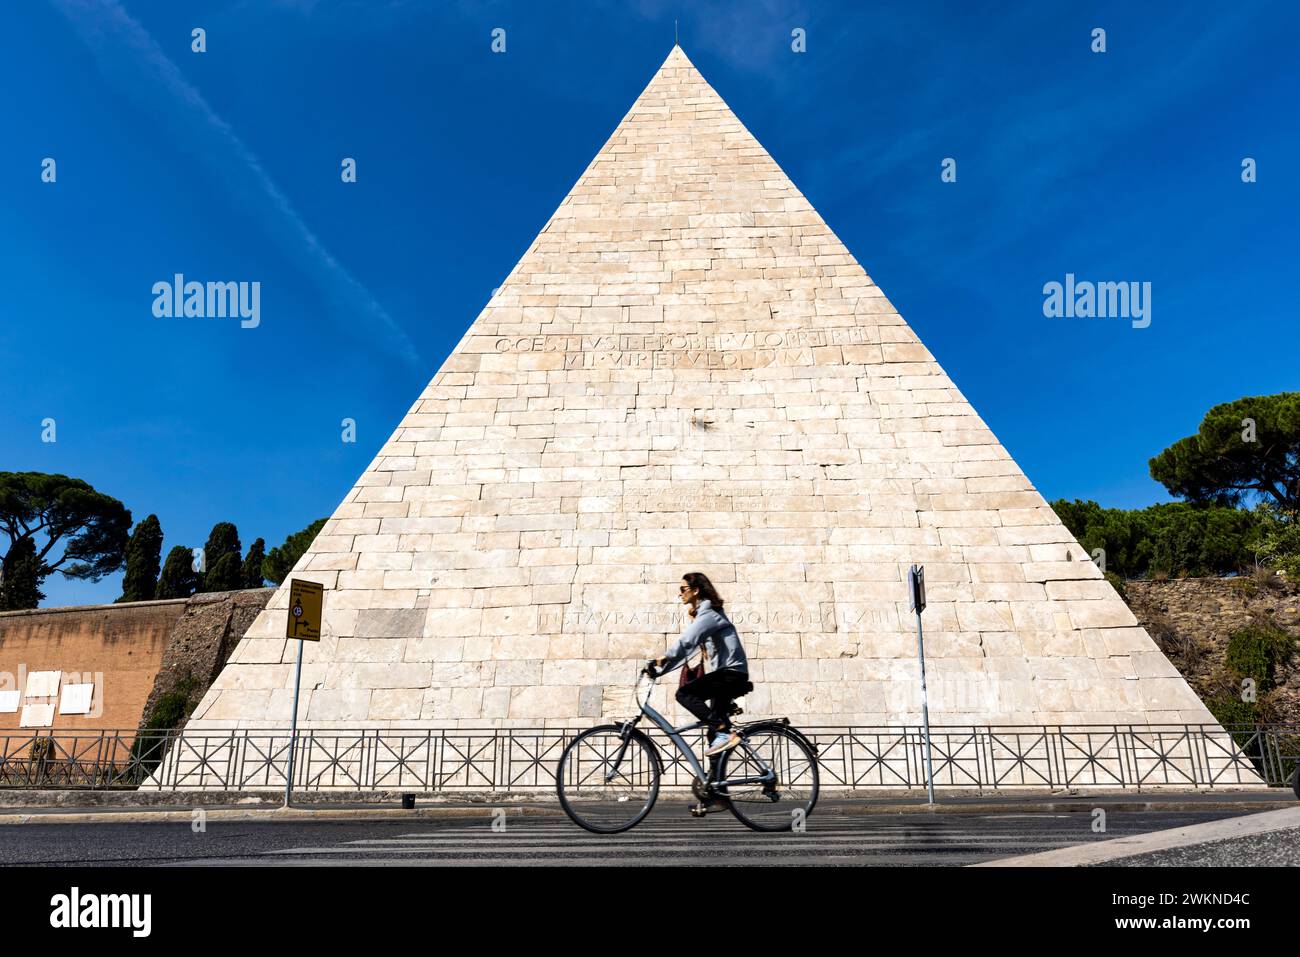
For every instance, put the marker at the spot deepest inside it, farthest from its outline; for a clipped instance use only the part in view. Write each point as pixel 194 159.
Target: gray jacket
pixel 721 643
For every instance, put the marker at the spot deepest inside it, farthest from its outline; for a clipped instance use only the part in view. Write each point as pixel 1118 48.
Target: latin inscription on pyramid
pixel 688 371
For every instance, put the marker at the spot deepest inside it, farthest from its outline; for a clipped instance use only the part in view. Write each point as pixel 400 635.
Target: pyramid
pixel 688 371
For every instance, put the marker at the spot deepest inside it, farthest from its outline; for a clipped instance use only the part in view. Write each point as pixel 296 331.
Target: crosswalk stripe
pixel 627 840
pixel 801 861
pixel 706 831
pixel 711 851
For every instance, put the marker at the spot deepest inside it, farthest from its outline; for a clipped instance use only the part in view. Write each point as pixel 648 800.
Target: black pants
pixel 719 687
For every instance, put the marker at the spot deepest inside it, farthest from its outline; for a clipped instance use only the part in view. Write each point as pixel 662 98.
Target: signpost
pixel 916 596
pixel 305 601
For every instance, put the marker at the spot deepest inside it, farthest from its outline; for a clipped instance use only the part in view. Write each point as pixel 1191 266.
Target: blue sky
pixel 225 165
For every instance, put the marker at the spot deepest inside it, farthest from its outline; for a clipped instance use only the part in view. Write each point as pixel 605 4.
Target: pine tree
pixel 143 552
pixel 83 532
pixel 1247 450
pixel 252 571
pixel 178 578
pixel 281 559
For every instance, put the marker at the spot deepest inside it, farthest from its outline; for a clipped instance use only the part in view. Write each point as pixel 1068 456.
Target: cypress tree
pixel 178 578
pixel 252 571
pixel 226 575
pixel 21 587
pixel 223 541
pixel 143 553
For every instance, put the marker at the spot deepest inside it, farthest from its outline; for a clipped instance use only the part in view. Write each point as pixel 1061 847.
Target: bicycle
pixel 608 777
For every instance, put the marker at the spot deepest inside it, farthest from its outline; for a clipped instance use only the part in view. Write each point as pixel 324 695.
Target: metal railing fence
pixel 515 759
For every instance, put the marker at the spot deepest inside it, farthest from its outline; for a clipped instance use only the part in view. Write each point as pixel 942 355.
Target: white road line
pixel 661 847
pixel 815 860
pixel 627 840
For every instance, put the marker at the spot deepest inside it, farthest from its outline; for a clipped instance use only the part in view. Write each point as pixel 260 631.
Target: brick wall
pixel 133 653
pixel 118 647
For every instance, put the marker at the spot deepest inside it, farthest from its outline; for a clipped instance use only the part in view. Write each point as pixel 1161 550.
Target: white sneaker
pixel 722 741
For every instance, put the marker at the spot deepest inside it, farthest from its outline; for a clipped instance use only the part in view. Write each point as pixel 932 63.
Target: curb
pixel 272 815
pixel 18 800
pixel 1102 852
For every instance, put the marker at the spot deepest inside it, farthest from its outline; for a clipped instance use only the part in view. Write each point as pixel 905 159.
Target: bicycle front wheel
pixel 607 780
pixel 777 780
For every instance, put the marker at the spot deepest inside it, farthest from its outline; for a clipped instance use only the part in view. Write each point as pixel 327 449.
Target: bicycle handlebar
pixel 648 671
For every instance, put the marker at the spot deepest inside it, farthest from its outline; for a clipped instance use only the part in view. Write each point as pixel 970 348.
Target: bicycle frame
pixel 675 736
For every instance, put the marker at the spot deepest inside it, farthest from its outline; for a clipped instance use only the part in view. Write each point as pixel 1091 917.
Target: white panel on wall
pixel 43 684
pixel 8 702
pixel 37 715
pixel 76 699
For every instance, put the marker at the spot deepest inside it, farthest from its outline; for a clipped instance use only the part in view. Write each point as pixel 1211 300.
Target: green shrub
pixel 1175 539
pixel 1256 651
pixel 1246 587
pixel 1199 540
pixel 1241 718
pixel 168 712
pixel 1229 709
pixel 171 709
pixel 1278 541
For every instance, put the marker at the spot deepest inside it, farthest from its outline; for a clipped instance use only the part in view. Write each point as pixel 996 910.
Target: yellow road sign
pixel 305 600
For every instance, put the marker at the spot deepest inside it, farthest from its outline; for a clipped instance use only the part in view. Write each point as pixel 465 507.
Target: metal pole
pixel 293 726
pixel 925 709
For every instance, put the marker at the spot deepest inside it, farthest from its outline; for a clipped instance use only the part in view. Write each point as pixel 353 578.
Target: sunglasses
pixel 683 588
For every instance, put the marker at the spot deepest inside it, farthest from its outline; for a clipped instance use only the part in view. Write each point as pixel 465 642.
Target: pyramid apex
pixel 677 58
pixel 677 53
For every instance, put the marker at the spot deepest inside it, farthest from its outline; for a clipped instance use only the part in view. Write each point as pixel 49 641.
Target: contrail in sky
pixel 140 70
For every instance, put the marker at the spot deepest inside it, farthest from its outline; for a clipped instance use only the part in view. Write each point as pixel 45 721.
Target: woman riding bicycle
pixel 608 777
pixel 727 674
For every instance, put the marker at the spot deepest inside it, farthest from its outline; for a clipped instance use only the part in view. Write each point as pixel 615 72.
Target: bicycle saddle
pixel 741 692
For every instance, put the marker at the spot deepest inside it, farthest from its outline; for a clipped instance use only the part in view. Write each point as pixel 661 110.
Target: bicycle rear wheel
pixel 790 791
pixel 607 781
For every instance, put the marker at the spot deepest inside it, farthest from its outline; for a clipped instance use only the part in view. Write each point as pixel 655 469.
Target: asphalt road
pixel 668 836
